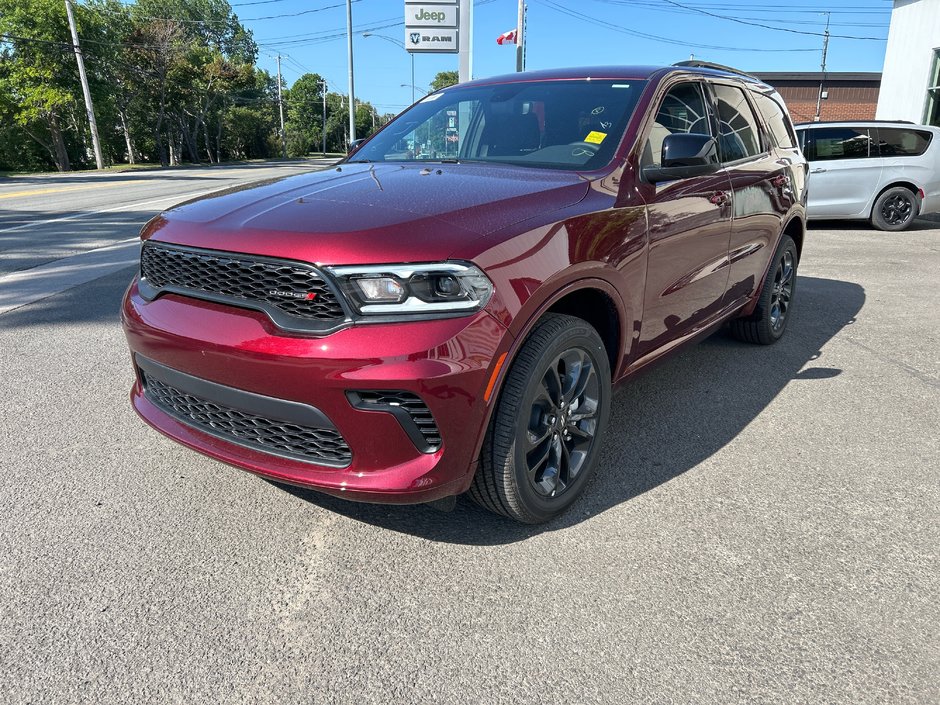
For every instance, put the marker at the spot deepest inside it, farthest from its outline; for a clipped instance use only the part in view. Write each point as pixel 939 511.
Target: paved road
pixel 764 528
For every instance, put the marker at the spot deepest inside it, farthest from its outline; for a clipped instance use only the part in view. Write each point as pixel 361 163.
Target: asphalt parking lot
pixel 764 526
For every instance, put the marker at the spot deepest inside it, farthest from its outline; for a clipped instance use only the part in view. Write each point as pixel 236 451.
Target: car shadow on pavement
pixel 663 423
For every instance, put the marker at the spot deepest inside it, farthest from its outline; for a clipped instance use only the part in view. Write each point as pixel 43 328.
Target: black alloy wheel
pixel 775 302
pixel 782 290
pixel 562 425
pixel 895 209
pixel 546 431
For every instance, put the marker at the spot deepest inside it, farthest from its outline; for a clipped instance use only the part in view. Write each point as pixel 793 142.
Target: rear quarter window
pixel 776 120
pixel 902 142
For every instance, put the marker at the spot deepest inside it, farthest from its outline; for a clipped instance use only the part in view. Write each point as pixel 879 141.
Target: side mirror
pixel 354 145
pixel 685 155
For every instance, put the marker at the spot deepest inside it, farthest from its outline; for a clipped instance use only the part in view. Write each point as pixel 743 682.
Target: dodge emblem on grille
pixel 309 296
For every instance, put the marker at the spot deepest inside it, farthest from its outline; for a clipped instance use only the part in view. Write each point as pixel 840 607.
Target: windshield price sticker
pixel 595 137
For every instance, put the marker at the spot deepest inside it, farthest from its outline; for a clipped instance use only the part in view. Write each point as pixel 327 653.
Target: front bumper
pixel 447 363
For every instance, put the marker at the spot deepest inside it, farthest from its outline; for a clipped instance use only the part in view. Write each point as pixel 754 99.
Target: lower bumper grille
pixel 318 445
pixel 410 410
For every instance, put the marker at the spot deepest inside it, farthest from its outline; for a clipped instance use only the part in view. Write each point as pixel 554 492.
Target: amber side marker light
pixel 492 384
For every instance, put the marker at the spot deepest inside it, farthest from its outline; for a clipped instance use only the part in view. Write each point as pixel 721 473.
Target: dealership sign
pixel 432 27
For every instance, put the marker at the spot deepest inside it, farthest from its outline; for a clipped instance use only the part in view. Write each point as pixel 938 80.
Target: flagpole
pixel 520 38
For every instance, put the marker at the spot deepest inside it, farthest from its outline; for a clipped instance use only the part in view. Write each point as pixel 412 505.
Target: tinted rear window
pixel 902 142
pixel 776 120
pixel 825 143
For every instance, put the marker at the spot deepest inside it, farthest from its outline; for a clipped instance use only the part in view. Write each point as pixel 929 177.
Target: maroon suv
pixel 446 310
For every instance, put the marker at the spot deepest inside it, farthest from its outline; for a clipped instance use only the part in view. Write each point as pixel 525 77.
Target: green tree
pixel 444 79
pixel 38 79
pixel 304 114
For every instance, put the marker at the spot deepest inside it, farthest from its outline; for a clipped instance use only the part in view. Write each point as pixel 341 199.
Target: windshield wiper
pixel 359 161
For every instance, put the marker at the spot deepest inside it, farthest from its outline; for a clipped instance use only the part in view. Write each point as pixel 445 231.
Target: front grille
pixel 418 412
pixel 292 288
pixel 319 445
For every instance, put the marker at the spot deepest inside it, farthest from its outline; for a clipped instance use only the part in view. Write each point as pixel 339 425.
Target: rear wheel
pixel 895 209
pixel 774 306
pixel 542 445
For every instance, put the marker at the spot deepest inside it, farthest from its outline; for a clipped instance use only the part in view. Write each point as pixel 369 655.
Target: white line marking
pixel 178 197
pixel 30 285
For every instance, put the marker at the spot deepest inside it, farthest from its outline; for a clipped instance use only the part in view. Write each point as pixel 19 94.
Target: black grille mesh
pixel 241 277
pixel 282 438
pixel 416 408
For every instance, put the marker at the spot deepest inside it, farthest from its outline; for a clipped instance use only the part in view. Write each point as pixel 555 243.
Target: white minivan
pixel 884 172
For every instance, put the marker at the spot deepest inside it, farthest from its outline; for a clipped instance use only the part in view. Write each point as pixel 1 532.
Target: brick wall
pixel 846 101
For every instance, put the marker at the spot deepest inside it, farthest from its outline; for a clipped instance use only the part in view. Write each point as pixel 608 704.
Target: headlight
pixel 449 287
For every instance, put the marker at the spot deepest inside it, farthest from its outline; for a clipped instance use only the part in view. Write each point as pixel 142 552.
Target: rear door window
pixel 738 136
pixel 902 142
pixel 827 143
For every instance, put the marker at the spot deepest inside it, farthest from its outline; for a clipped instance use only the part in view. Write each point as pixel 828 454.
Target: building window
pixel 932 114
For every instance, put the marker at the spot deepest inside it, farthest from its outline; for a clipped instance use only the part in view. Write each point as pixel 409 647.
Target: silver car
pixel 884 172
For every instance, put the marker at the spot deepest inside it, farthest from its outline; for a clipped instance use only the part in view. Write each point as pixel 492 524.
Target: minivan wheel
pixel 545 434
pixel 895 209
pixel 774 306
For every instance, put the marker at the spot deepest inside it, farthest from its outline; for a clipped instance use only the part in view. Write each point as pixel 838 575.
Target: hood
pixel 360 213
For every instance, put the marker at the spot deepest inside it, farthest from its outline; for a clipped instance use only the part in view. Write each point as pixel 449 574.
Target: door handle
pixel 818 171
pixel 719 198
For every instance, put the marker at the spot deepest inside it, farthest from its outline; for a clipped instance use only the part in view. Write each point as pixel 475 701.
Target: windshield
pixel 549 124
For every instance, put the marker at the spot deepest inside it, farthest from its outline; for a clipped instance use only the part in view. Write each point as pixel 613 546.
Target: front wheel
pixel 542 445
pixel 775 303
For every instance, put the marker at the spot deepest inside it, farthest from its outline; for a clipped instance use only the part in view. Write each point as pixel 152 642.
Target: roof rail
pixel 696 64
pixel 834 122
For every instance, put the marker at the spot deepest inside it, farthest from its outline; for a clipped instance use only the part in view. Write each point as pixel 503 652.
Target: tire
pixel 895 209
pixel 545 435
pixel 775 304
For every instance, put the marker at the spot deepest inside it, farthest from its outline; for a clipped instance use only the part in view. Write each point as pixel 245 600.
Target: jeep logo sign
pixel 427 15
pixel 432 26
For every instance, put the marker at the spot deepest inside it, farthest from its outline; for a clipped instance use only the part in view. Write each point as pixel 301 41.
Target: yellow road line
pixel 62 189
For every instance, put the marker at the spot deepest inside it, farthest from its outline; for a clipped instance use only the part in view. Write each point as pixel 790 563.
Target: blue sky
pixel 568 33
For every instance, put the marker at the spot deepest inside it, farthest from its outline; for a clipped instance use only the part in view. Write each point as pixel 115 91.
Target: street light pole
pixel 280 107
pixel 352 89
pixel 323 129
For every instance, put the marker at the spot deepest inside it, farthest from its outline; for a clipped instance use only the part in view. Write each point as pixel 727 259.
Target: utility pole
pixel 352 89
pixel 89 108
pixel 520 38
pixel 822 81
pixel 465 50
pixel 323 129
pixel 280 105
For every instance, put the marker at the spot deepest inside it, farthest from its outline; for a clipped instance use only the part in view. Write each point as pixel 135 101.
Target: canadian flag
pixel 507 37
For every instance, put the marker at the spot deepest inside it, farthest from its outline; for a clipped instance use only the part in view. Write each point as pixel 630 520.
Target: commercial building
pixel 846 96
pixel 911 76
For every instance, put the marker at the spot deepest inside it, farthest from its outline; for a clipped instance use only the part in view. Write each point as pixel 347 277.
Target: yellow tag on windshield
pixel 595 137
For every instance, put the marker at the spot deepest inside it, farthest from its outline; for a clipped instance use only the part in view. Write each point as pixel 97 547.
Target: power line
pixel 665 40
pixel 203 20
pixel 766 26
